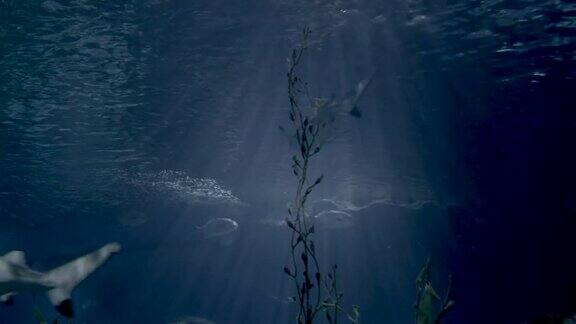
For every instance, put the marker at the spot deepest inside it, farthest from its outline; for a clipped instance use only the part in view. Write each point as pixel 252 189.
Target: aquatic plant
pixel 316 292
pixel 427 299
pixel 39 317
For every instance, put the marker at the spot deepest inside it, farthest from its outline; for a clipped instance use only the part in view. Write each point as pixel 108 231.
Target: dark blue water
pixel 136 121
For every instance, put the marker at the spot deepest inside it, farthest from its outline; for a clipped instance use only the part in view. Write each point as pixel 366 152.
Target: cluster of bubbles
pixel 179 186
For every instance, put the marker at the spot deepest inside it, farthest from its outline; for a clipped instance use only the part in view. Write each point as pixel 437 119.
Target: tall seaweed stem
pixel 315 293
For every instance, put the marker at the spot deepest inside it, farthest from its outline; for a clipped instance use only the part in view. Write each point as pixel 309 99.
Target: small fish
pixel 217 227
pixel 328 113
pixel 16 276
pixel 320 205
pixel 351 102
pixel 327 110
pixel 333 219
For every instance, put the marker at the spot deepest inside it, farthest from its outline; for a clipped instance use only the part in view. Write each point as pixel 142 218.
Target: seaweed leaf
pixel 39 317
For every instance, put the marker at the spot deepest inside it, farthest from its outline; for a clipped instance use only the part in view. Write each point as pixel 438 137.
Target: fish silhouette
pixel 16 277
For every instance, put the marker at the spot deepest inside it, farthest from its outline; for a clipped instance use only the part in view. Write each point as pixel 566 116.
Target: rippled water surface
pixel 141 121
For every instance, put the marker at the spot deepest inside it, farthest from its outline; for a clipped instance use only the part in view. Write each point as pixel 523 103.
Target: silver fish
pixel 333 219
pixel 217 227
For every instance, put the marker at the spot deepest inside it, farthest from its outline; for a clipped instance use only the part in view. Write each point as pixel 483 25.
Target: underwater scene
pixel 278 162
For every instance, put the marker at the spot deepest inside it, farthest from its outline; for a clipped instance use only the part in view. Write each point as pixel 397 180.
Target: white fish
pixel 333 219
pixel 217 227
pixel 320 205
pixel 16 276
pixel 408 204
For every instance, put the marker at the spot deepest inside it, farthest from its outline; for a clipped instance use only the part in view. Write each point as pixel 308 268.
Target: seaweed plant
pixel 39 317
pixel 427 311
pixel 316 293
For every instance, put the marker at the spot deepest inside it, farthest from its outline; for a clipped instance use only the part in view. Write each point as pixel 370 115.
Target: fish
pixel 325 213
pixel 320 205
pixel 16 277
pixel 351 207
pixel 327 112
pixel 333 219
pixel 353 98
pixel 217 228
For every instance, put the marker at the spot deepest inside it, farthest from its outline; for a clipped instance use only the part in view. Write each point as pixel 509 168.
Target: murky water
pixel 142 121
